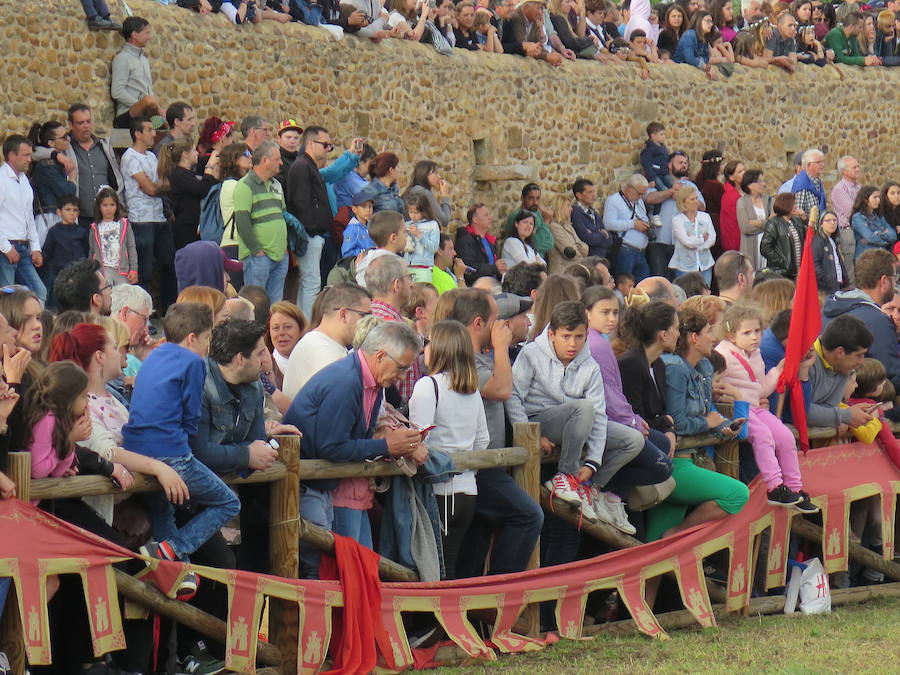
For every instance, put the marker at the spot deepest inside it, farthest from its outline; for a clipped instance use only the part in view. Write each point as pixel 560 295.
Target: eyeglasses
pixel 328 146
pixel 145 317
pixel 108 287
pixel 355 311
pixel 400 367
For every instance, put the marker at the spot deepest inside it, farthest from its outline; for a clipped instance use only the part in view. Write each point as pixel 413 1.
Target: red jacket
pixel 729 231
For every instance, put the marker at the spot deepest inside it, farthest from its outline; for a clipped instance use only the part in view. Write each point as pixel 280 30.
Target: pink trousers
pixel 774 449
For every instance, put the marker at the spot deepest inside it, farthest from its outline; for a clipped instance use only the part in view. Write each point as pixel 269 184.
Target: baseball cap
pixel 363 195
pixel 284 125
pixel 231 265
pixel 512 305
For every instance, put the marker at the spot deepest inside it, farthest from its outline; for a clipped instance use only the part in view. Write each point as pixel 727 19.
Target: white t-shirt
pixel 142 208
pixel 314 351
pixel 460 426
pixel 109 233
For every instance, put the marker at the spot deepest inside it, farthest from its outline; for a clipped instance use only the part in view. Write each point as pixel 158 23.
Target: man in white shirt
pixel 18 235
pixel 343 306
pixel 152 234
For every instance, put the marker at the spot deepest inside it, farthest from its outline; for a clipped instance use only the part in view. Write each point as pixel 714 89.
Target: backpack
pixel 212 227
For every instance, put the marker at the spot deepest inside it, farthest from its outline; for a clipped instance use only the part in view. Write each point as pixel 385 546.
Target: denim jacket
pixel 228 424
pixel 688 394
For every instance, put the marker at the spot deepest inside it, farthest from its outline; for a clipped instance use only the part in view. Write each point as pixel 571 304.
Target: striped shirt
pixel 408 380
pixel 259 218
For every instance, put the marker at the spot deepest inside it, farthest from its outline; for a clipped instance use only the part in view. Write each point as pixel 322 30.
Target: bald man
pixel 659 288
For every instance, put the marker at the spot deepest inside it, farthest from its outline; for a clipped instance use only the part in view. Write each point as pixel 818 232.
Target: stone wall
pixel 490 121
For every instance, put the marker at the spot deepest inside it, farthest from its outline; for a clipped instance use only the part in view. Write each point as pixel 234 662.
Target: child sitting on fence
pixel 165 411
pixel 774 447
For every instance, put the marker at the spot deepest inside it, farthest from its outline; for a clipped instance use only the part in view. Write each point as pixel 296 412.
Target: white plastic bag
pixel 810 582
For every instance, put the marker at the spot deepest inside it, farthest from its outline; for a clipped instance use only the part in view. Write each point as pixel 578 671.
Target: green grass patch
pixel 863 638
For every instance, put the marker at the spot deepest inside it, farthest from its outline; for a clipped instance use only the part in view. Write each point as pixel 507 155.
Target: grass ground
pixel 861 638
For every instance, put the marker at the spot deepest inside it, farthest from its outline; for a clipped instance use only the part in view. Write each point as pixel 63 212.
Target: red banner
pixel 34 545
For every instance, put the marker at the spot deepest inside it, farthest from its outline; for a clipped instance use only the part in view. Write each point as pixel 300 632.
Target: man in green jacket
pixel 842 39
pixel 542 239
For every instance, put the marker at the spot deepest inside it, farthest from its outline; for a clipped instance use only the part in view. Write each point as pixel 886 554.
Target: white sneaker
pixel 562 487
pixel 656 221
pixel 616 508
pixel 600 508
pixel 587 510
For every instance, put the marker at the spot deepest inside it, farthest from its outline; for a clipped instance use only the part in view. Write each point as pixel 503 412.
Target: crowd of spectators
pixel 172 349
pixel 712 36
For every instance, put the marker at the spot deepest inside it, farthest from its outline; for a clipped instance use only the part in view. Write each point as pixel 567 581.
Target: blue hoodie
pixel 884 346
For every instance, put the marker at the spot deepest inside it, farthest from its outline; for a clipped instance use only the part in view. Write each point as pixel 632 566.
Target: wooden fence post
pixel 528 477
pixel 284 551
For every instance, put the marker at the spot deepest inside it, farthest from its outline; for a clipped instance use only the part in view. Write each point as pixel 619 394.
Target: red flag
pixel 806 324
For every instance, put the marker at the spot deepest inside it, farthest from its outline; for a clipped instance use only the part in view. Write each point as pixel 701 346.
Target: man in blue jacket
pixel 875 279
pixel 337 411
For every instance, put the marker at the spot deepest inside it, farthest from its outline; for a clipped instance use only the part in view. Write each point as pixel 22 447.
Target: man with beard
pixel 82 287
pixel 661 248
pixel 875 279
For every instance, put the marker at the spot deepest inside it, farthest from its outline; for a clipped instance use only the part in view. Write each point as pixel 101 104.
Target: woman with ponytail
pixel 49 178
pixel 178 163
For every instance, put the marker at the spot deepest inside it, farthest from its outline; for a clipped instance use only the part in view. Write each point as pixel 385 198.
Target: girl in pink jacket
pixel 774 447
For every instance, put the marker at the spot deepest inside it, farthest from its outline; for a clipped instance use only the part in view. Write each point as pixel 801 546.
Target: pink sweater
pixel 44 460
pixel 751 389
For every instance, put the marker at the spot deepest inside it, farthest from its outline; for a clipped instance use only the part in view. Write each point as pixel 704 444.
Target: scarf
pixel 802 181
pixel 487 242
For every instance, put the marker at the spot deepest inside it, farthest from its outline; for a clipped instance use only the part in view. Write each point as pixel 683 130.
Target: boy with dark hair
pixel 165 411
pixel 449 269
pixel 66 242
pixel 624 284
pixel 655 162
pixel 388 231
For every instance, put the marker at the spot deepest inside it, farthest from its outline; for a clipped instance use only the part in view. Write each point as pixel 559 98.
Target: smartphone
pixel 736 425
pixel 424 430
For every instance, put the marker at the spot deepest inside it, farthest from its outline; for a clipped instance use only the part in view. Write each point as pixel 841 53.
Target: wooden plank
pixel 315 469
pixel 528 477
pixel 596 528
pixel 19 472
pixel 86 486
pixel 284 550
pixel 200 621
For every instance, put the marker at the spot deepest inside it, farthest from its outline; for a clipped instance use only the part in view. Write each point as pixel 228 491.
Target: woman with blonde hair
pixel 693 234
pixel 204 295
pixel 773 296
pixel 567 245
pixel 556 288
pixel 449 402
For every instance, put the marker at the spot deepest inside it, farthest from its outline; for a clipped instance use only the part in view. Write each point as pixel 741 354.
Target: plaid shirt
pixel 806 200
pixel 387 312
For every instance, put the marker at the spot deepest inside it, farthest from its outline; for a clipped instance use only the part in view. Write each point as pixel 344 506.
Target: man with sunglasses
pixel 343 307
pixel 307 199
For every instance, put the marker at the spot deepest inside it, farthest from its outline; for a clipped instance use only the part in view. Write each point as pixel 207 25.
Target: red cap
pixel 231 265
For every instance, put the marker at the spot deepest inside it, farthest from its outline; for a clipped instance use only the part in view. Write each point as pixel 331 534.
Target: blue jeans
pixel 261 270
pixel 310 282
pixel 633 262
pixel 95 8
pixel 353 523
pixel 707 274
pixel 23 272
pixel 316 507
pixel 207 490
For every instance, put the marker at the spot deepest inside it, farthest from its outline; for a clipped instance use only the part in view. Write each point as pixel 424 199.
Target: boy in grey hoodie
pixel 557 383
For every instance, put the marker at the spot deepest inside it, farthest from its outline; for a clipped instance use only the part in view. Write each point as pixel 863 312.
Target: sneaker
pixel 584 492
pixel 600 508
pixel 163 550
pixel 656 221
pixel 562 487
pixel 5 668
pixel 805 505
pixel 616 507
pixel 199 662
pixel 783 496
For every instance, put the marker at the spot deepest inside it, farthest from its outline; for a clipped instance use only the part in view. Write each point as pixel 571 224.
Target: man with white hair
pixel 808 185
pixel 843 194
pixel 625 213
pixel 132 305
pixel 337 411
pixel 751 10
